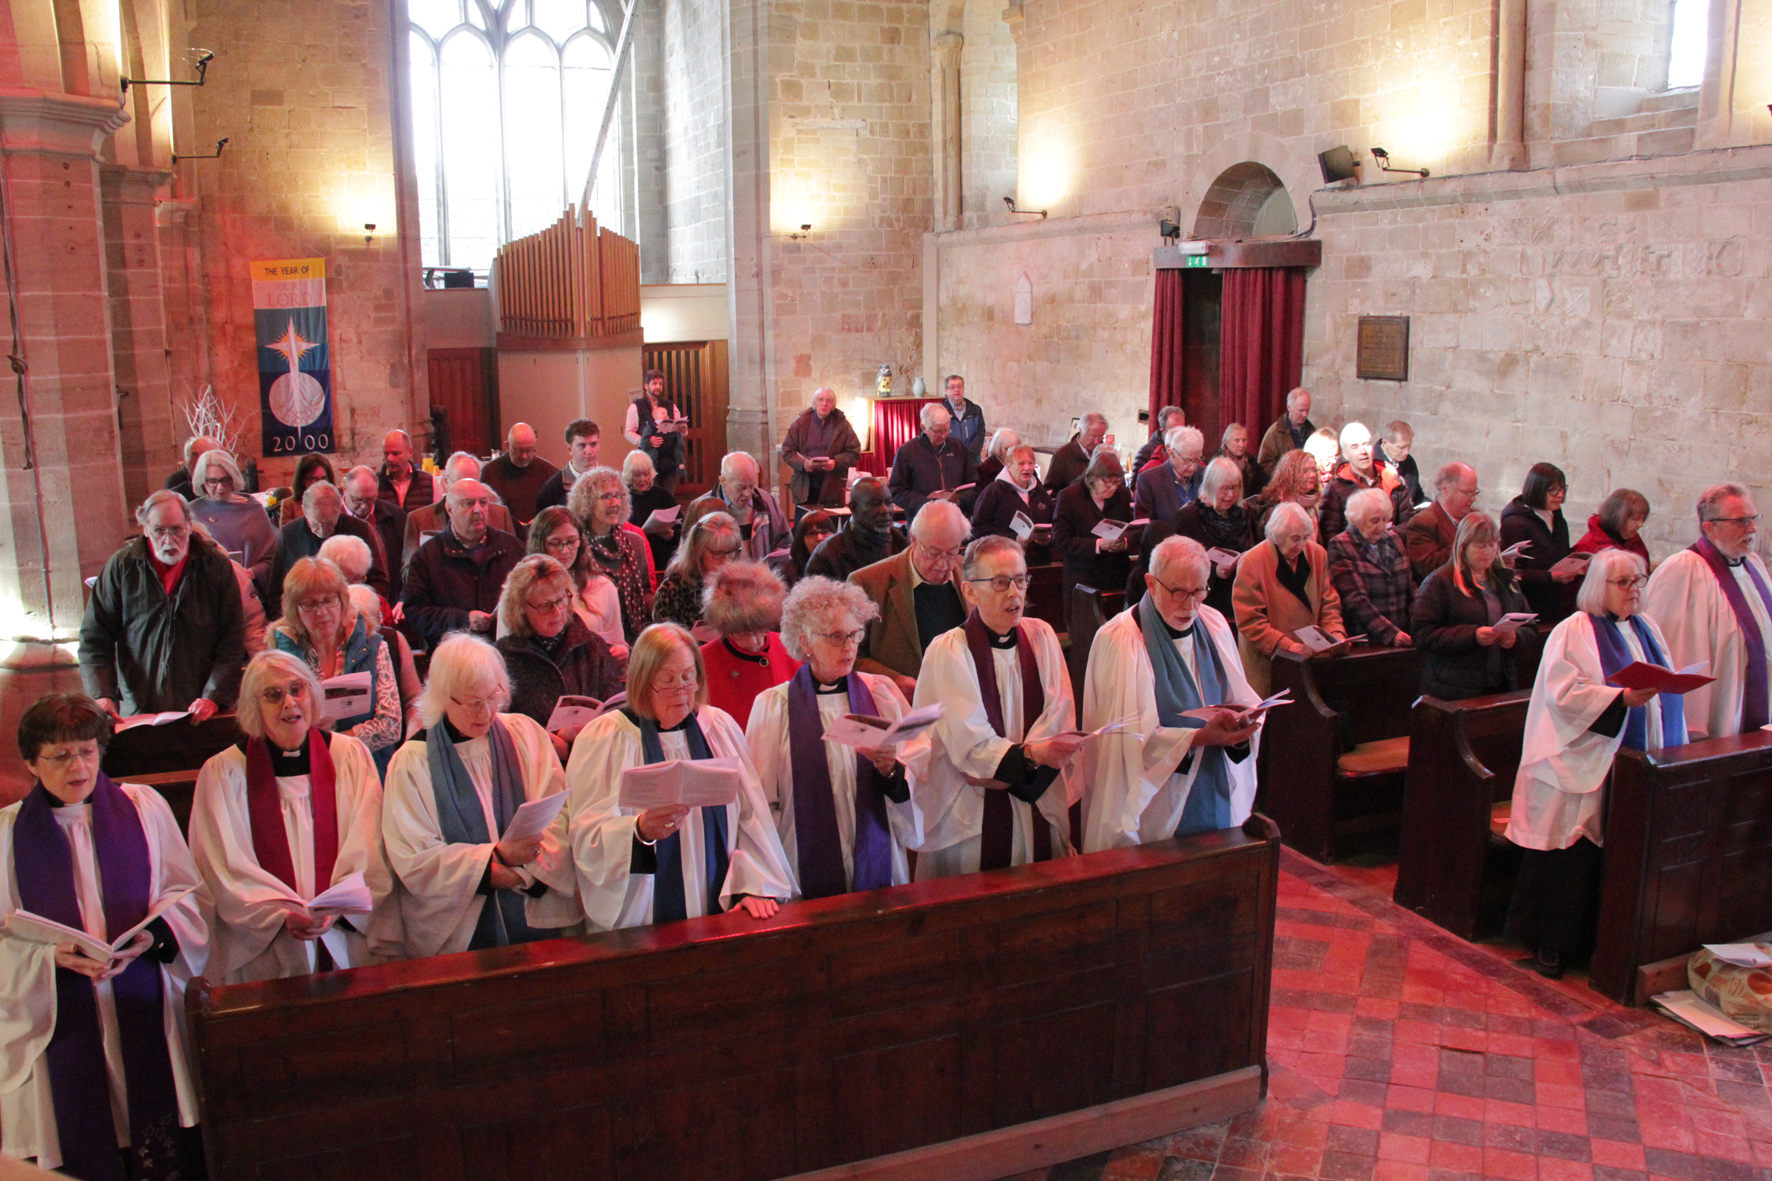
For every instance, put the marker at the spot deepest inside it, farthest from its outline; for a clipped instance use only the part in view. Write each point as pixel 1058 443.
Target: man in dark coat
pixel 867 537
pixel 968 417
pixel 1069 461
pixel 456 577
pixel 932 466
pixel 163 628
pixel 821 447
pixel 386 520
pixel 323 514
pixel 402 480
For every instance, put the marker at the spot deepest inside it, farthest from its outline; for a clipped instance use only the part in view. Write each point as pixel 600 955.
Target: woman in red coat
pixel 1618 525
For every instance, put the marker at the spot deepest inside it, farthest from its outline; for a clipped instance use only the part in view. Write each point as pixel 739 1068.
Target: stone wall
pixel 988 102
pixel 693 131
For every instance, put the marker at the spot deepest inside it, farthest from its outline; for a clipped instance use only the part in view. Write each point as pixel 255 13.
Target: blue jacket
pixel 1159 497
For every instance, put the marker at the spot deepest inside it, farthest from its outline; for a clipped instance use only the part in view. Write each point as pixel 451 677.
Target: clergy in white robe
pixel 1181 765
pixel 844 815
pixel 1575 724
pixel 997 791
pixel 673 862
pixel 99 857
pixel 1714 602
pixel 266 839
pixel 451 793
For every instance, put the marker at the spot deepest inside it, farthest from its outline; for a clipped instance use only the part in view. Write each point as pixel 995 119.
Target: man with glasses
pixel 1169 668
pixel 932 466
pixel 1713 602
pixel 998 787
pixel 421 523
pixel 456 578
pixel 762 526
pixel 869 536
pixel 323 515
pixel 918 593
pixel 163 627
pixel 1164 490
pixel 386 520
pixel 1427 538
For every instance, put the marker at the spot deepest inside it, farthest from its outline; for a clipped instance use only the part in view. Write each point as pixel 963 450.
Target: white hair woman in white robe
pixel 1186 763
pixel 267 838
pixel 451 793
pixel 823 792
pixel 1575 724
pixel 99 857
pixel 998 790
pixel 637 867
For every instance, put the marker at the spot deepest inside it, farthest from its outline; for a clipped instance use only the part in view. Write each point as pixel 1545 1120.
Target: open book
pixel 161 719
pixel 662 520
pixel 38 929
pixel 1316 640
pixel 1125 723
pixel 347 695
pixel 866 732
pixel 574 712
pixel 348 895
pixel 1642 675
pixel 1283 697
pixel 1111 530
pixel 700 783
pixel 1223 557
pixel 1513 621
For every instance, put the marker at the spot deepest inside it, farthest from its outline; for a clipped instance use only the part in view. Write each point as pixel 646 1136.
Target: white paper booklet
pixel 347 695
pixel 1223 557
pixel 38 929
pixel 161 719
pixel 700 783
pixel 1110 530
pixel 1688 1008
pixel 662 519
pixel 348 895
pixel 1742 955
pixel 1514 620
pixel 1021 525
pixel 1515 550
pixel 572 712
pixel 1573 564
pixel 866 732
pixel 1315 638
pixel 533 818
pixel 1125 723
pixel 1283 697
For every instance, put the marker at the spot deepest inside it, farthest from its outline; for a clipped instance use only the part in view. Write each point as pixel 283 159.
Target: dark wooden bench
pixel 968 1028
pixel 1455 869
pixel 1688 856
pixel 168 758
pixel 1089 613
pixel 1332 763
pixel 1045 599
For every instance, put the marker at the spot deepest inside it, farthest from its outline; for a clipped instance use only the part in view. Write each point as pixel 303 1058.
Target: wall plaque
pixel 1383 348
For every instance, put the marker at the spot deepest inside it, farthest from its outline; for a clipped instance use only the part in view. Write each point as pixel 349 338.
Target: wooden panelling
pixel 842 1030
pixel 463 384
pixel 696 378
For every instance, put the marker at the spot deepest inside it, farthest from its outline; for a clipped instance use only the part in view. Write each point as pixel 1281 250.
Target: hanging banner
pixel 294 362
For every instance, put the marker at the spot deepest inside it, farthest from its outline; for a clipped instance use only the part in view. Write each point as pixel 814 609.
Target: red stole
pixel 270 840
pixel 997 848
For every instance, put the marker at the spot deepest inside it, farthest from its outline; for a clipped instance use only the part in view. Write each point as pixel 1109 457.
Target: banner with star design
pixel 294 362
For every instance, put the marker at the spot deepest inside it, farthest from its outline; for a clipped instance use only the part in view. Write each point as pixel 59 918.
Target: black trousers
pixel 1556 901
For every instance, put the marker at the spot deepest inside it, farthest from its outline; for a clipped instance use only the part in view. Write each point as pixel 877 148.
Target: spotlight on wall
pixel 1010 201
pixel 201 64
pixel 1384 163
pixel 1338 164
pixel 1169 230
pixel 805 231
pixel 215 155
pixel 368 233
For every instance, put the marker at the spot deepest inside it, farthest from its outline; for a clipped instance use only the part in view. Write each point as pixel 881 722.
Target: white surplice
pixel 602 832
pixel 252 904
pixel 437 883
pixel 27 977
pixel 963 743
pixel 1563 764
pixel 768 734
pixel 1135 788
pixel 1687 603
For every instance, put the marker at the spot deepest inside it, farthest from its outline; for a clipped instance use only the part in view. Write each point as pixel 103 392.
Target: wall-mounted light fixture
pixel 1168 229
pixel 1338 164
pixel 805 231
pixel 215 155
pixel 1010 201
pixel 368 233
pixel 1384 163
pixel 201 65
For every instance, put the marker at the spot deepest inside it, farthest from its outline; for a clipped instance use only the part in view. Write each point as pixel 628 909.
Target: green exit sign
pixel 1192 261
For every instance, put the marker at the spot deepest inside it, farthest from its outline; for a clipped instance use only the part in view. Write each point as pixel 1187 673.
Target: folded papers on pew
pixel 1642 675
pixel 1693 1011
pixel 38 929
pixel 866 732
pixel 1742 955
pixel 699 783
pixel 572 712
pixel 161 719
pixel 531 819
pixel 1111 530
pixel 346 696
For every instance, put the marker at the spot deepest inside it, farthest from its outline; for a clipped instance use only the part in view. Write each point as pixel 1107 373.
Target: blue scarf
pixel 1208 806
pixel 668 900
pixel 1614 655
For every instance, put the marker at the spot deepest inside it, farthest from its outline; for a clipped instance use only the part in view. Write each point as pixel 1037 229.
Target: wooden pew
pixel 965 1029
pixel 1332 763
pixel 1045 599
pixel 176 746
pixel 1463 756
pixel 1688 855
pixel 1089 613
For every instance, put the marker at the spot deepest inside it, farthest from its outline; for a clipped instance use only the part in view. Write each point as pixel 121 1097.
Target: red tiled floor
pixel 1397 1053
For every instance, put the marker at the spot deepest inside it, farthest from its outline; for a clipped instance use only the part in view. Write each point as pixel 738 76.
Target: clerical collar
pixel 286 763
pixel 998 641
pixel 842 686
pixel 682 725
pixel 1181 634
pixel 758 658
pixel 1733 563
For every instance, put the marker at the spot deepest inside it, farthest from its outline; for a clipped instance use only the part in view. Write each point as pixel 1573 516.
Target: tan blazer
pixel 893 646
pixel 1268 613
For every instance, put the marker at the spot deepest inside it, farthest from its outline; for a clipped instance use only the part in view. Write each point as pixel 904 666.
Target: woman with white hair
pixel 708 544
pixel 845 816
pixel 662 864
pixel 352 557
pixel 1575 724
pixel 322 625
pixel 237 523
pixel 1371 571
pixel 1002 444
pixel 281 816
pixel 742 602
pixel 548 650
pixel 1283 585
pixel 599 501
pixel 451 793
pixel 1218 521
pixel 645 497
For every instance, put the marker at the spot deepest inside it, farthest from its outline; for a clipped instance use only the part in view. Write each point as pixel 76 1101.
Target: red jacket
pixel 1598 538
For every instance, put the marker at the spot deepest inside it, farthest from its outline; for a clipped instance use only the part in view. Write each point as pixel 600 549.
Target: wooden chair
pixel 1456 867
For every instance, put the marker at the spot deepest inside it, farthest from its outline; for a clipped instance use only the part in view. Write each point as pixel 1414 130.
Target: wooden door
pixel 695 375
pixel 464 383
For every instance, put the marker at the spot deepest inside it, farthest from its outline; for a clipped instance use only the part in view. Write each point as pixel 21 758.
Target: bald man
pixel 456 577
pixel 519 474
pixel 401 480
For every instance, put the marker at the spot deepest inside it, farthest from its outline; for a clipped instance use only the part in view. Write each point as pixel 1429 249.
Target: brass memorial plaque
pixel 1383 353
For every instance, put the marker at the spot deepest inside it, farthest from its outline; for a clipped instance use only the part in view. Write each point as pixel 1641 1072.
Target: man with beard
pixel 869 536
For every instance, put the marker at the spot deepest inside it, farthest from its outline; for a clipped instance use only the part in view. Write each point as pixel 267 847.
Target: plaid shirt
pixel 1374 582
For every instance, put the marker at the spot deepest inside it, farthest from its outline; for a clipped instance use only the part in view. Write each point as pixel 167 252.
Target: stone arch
pixel 1246 200
pixel 1294 173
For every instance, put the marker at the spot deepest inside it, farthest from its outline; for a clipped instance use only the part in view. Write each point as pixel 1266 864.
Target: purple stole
pixel 997 847
pixel 1753 696
pixel 78 1080
pixel 816 841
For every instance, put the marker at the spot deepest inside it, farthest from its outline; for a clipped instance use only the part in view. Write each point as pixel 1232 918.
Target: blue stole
pixel 668 901
pixel 1615 656
pixel 1208 806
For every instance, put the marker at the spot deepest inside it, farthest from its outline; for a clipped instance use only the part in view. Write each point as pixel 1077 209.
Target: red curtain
pixel 1261 356
pixel 1166 342
pixel 894 424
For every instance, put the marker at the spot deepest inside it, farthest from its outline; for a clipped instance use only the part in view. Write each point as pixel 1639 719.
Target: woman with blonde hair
pixel 709 543
pixel 556 533
pixel 548 650
pixel 322 625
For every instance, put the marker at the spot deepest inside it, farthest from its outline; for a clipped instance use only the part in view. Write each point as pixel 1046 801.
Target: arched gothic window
pixel 507 99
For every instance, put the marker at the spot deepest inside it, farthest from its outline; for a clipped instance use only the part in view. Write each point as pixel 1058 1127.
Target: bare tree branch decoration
pixel 208 415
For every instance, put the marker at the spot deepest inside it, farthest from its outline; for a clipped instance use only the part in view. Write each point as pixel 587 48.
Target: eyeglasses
pixel 549 607
pixel 1185 593
pixel 1634 582
pixel 609 497
pixel 664 682
pixel 218 481
pixel 1735 520
pixel 296 690
pixel 843 639
pixel 169 532
pixel 559 545
pixel 950 555
pixel 724 551
pixel 476 705
pixel 68 756
pixel 1002 582
pixel 330 603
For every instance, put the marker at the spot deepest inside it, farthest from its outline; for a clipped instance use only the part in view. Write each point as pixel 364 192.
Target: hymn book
pixel 866 732
pixel 698 783
pixel 532 818
pixel 346 696
pixel 573 712
pixel 160 719
pixel 1109 529
pixel 38 929
pixel 1642 675
pixel 662 520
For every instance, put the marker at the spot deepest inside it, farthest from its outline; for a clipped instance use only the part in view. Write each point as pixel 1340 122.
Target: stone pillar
pixel 750 415
pixel 1716 94
pixel 138 327
pixel 944 95
pixel 1509 151
pixel 62 509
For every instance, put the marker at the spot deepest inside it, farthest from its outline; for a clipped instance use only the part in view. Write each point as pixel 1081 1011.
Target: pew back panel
pixel 177 746
pixel 843 1029
pixel 1090 609
pixel 1688 855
